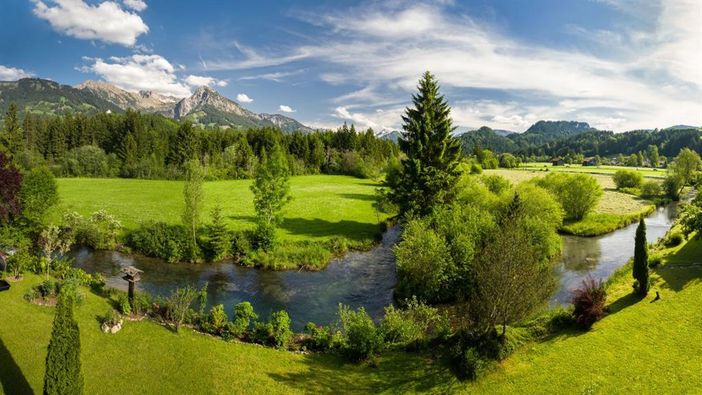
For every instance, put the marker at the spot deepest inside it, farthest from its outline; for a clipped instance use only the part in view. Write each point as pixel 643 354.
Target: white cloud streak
pixel 197 80
pixel 106 21
pixel 286 109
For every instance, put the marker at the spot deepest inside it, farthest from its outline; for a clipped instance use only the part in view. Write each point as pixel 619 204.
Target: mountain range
pixel 205 106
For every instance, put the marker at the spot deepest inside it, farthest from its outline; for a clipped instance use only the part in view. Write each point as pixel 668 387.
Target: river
pixel 359 279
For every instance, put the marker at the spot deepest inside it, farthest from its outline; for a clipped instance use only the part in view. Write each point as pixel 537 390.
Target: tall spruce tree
pixel 430 170
pixel 640 271
pixel 12 134
pixel 193 197
pixel 63 374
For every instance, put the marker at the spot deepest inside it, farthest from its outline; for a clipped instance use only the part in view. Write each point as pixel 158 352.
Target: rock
pixel 107 328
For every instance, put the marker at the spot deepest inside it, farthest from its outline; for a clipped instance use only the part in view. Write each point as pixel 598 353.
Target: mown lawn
pixel 614 210
pixel 323 206
pixel 641 347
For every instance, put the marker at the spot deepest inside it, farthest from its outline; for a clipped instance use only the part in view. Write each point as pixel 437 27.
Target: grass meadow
pixel 323 206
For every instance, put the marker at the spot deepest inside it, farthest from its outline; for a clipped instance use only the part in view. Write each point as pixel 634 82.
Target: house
pixel 557 162
pixel 590 162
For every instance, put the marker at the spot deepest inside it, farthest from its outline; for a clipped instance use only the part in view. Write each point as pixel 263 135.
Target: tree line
pixel 136 145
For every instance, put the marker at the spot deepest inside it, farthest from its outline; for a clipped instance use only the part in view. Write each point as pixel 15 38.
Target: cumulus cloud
pixel 197 80
pixel 106 21
pixel 382 49
pixel 284 108
pixel 12 73
pixel 136 5
pixel 139 72
pixel 244 98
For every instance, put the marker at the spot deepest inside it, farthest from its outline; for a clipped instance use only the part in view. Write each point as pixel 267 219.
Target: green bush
pixel 243 316
pixel 217 320
pixel 651 189
pixel 627 179
pixel 496 184
pixel 361 338
pixel 475 168
pixel 63 374
pixel 320 338
pixel 414 326
pixel 672 186
pixel 123 303
pixel 280 322
pixel 161 240
pixel 578 194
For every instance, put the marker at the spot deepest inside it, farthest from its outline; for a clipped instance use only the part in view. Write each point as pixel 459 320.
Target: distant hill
pixel 487 139
pixel 205 106
pixel 681 127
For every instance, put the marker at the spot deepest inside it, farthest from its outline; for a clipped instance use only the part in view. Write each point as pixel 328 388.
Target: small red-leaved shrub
pixel 589 302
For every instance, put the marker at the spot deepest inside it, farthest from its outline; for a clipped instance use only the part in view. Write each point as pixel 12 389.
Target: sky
pixel 616 64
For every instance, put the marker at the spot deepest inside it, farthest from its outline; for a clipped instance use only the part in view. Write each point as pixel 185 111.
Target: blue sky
pixel 618 64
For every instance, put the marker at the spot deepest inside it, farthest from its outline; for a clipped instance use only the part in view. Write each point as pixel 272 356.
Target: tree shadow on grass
pixel 11 376
pixel 352 230
pixel 678 277
pixel 623 302
pixel 358 196
pixel 394 373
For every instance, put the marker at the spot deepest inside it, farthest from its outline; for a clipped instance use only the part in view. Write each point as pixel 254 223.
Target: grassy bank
pixel 615 210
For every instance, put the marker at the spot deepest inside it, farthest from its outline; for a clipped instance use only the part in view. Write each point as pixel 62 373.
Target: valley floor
pixel 642 346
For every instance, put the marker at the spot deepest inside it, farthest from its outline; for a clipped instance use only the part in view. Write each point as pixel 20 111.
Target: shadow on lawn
pixel 352 230
pixel 358 196
pixel 11 376
pixel 678 277
pixel 397 374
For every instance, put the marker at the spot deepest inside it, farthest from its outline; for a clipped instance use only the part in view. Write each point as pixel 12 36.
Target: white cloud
pixel 243 98
pixel 284 108
pixel 197 80
pixel 139 72
pixel 106 21
pixel 277 76
pixel 12 74
pixel 382 50
pixel 136 5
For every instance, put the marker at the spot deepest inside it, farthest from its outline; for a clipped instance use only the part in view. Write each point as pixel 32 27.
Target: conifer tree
pixel 220 242
pixel 271 189
pixel 12 134
pixel 641 260
pixel 63 374
pixel 430 171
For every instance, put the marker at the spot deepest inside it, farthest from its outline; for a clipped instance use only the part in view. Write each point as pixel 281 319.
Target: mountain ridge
pixel 205 106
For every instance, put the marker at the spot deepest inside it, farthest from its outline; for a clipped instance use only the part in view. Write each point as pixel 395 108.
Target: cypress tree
pixel 430 171
pixel 641 259
pixel 63 367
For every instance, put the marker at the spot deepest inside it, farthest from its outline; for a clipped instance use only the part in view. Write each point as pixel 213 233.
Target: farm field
pixel 322 207
pixel 604 169
pixel 135 357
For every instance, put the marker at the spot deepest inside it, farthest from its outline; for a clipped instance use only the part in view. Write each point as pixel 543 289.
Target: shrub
pixel 111 318
pixel 361 338
pixel 280 323
pixel 262 333
pixel 475 168
pixel 509 161
pixel 161 240
pixel 578 194
pixel 651 189
pixel 217 320
pixel 320 338
pixel 496 184
pixel 63 367
pixel 471 365
pixel 123 304
pixel 674 238
pixel 589 302
pixel 414 326
pixel 627 179
pixel 243 315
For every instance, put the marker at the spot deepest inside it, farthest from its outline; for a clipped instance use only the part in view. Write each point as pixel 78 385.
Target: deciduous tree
pixel 271 189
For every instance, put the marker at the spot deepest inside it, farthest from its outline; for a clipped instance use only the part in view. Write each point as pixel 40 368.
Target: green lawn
pixel 641 347
pixel 645 171
pixel 614 210
pixel 322 207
